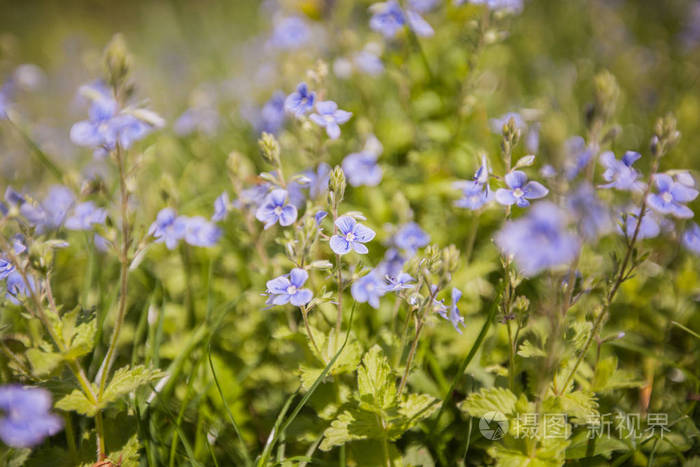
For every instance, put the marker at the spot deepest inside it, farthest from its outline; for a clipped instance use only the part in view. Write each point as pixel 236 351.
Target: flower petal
pixel 326 107
pixel 302 297
pixel 663 181
pixel 289 215
pixel 516 179
pixel 535 190
pixel 339 245
pixel 342 116
pixel 345 224
pixel 505 197
pixel 363 233
pixel 298 277
pixel 683 193
pixel 360 248
pixel 332 130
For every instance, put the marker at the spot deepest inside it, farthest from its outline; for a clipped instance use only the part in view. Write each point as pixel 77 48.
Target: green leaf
pixel 528 349
pixel 128 455
pixel 76 401
pixel 126 380
pixel 489 400
pixel 416 407
pixel 375 381
pixel 607 377
pixel 352 424
pixel 43 362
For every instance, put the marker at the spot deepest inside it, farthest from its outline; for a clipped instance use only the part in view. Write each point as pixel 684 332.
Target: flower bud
pixel 337 185
pixel 117 61
pixel 270 149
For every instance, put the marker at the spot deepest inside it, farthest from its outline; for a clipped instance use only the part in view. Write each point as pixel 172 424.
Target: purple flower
pixel 26 419
pixel 351 236
pixel 168 228
pixel 329 116
pixel 17 287
pixel 593 217
pixel 514 6
pixel 649 227
pixel 540 240
pixel 578 155
pixel 271 116
pixel 316 181
pixel 451 313
pixel 85 215
pixel 276 208
pixel 252 197
pixel 301 101
pixel 691 238
pixel 475 192
pixel 6 268
pixel 398 282
pixel 202 119
pixel 288 289
pixel 410 237
pixel 619 173
pixel 221 206
pixel 290 33
pixel 670 197
pixel 52 211
pixel 520 190
pixel 368 62
pixel 388 19
pixel 361 169
pixel 392 263
pixel 368 289
pixel 200 232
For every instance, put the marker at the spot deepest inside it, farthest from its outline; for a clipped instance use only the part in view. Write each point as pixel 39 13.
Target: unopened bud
pixel 270 148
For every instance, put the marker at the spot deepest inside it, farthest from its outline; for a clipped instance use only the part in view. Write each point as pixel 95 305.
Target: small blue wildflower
pixel 329 116
pixel 18 245
pixel 276 208
pixel 85 215
pixel 221 207
pixel 514 6
pixel 392 264
pixel 578 155
pixel 398 282
pixel 410 237
pixel 548 171
pixel 670 197
pixel 202 119
pixel 26 418
pixel 368 62
pixel 5 99
pixel 520 190
pixel 290 33
pixel 619 173
pixel 422 6
pixel 691 238
pixel 451 313
pixel 388 18
pixel 288 289
pixel 368 289
pixel 475 192
pixel 52 211
pixel 168 228
pixel 13 197
pixel 351 236
pixel 6 267
pixel 301 101
pixel 540 240
pixel 649 228
pixel 593 217
pixel 252 197
pixel 17 287
pixel 319 216
pixel 361 169
pixel 271 117
pixel 200 232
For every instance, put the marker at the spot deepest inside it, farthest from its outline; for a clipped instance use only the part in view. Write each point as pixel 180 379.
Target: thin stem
pixel 511 357
pixel 471 240
pixel 305 315
pixel 411 354
pixel 339 316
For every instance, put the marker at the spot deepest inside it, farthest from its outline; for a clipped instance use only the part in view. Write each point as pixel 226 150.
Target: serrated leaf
pixel 352 424
pixel 528 349
pixel 489 400
pixel 128 455
pixel 126 380
pixel 43 362
pixel 375 383
pixel 417 406
pixel 77 402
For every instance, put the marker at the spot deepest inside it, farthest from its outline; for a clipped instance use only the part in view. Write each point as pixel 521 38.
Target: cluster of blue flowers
pixel 169 228
pixel 25 418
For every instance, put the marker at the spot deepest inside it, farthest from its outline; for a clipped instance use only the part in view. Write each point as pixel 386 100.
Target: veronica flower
pixel 410 237
pixel 252 197
pixel 351 236
pixel 6 268
pixel 319 216
pixel 398 282
pixel 670 197
pixel 26 418
pixel 422 6
pixel 520 190
pixel 691 238
pixel 388 18
pixel 202 119
pixel 17 287
pixel 514 6
pixel 392 264
pixel 475 192
pixel 271 117
pixel 540 240
pixel 329 116
pixel 301 101
pixel 368 62
pixel 451 313
pixel 52 211
pixel 85 215
pixel 276 208
pixel 288 289
pixel 368 289
pixel 593 217
pixel 649 228
pixel 290 33
pixel 578 155
pixel 168 228
pixel 619 173
pixel 361 169
pixel 221 207
pixel 200 232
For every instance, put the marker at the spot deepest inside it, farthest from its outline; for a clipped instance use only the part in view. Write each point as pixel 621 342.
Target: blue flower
pixel 361 169
pixel 649 227
pixel 410 237
pixel 6 268
pixel 329 116
pixel 475 192
pixel 26 418
pixel 592 215
pixel 168 228
pixel 252 197
pixel 368 62
pixel 17 287
pixel 301 101
pixel 288 289
pixel 276 208
pixel 290 33
pixel 271 116
pixel 51 213
pixel 5 99
pixel 520 190
pixel 221 207
pixel 388 19
pixel 316 181
pixel 578 155
pixel 368 289
pixel 514 6
pixel 670 197
pixel 398 282
pixel 619 173
pixel 202 119
pixel 691 238
pixel 351 236
pixel 85 215
pixel 319 216
pixel 540 240
pixel 422 6
pixel 200 232
pixel 451 313
pixel 392 264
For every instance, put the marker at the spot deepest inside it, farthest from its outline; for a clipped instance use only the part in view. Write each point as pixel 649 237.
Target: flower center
pixel 667 197
pixel 278 211
pixel 518 193
pixel 292 289
pixel 329 118
pixel 349 237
